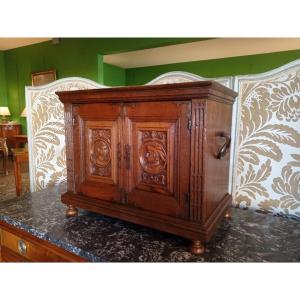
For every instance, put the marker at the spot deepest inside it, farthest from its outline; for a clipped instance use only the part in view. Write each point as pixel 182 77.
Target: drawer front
pixel 9 256
pixel 13 246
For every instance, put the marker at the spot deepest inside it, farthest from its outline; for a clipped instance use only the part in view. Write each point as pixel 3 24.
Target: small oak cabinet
pixel 153 155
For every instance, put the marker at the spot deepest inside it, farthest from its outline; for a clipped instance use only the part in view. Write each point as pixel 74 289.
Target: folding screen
pixel 267 151
pixel 46 131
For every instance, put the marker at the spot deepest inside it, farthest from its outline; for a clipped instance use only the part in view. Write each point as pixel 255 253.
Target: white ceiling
pixel 11 43
pixel 202 50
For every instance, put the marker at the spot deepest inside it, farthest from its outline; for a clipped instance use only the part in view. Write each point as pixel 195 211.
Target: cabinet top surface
pixel 99 238
pixel 162 92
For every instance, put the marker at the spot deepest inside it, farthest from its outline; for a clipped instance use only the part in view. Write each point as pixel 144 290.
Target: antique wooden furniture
pixel 153 155
pixel 16 245
pixel 9 131
pixel 4 153
pixel 20 155
pixel 20 140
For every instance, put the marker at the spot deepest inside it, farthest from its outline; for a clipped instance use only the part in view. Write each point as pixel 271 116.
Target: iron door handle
pixel 223 150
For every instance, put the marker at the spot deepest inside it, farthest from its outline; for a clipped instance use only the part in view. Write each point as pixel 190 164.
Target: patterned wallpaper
pixel 46 131
pixel 267 160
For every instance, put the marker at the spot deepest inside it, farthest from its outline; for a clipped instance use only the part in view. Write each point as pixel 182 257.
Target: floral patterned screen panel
pixel 266 175
pixel 46 131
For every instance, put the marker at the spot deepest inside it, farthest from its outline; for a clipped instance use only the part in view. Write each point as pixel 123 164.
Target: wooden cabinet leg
pixel 228 213
pixel 197 247
pixel 5 158
pixel 18 177
pixel 72 211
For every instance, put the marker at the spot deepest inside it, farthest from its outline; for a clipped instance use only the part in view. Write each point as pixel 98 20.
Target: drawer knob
pixel 22 247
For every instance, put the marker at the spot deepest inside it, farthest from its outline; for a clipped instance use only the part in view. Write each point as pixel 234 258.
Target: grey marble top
pixel 247 237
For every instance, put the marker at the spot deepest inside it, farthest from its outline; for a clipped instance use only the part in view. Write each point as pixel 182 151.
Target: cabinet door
pixel 97 154
pixel 157 157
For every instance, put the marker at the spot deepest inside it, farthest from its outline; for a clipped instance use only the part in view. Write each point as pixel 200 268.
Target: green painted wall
pixel 83 57
pixel 80 57
pixel 113 75
pixel 3 94
pixel 251 64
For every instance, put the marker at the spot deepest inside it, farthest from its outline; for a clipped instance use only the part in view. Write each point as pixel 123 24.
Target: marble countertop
pixel 247 237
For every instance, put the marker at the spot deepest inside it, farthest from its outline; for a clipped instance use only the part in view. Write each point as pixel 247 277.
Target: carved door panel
pixel 97 154
pixel 157 157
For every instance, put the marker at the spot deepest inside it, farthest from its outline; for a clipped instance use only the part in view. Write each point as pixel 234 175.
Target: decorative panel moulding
pixel 202 50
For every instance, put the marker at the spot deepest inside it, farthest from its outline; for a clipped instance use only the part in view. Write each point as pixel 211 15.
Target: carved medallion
pixel 101 153
pixel 153 157
pixel 100 156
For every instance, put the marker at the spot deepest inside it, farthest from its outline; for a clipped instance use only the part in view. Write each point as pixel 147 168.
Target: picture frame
pixel 42 78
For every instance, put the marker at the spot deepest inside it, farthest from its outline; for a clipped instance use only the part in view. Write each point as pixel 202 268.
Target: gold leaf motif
pixel 264 147
pixel 269 205
pixel 296 162
pixel 61 159
pixel 288 185
pixel 250 184
pixel 48 134
pixel 249 156
pixel 285 99
pixel 280 133
pixel 57 178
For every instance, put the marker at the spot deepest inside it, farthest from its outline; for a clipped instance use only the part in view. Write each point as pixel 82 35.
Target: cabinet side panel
pixel 216 170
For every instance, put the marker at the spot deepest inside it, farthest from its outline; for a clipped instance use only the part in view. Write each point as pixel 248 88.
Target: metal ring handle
pixel 22 247
pixel 223 150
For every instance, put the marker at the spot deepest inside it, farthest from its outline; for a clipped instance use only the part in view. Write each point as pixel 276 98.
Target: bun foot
pixel 197 247
pixel 228 214
pixel 72 211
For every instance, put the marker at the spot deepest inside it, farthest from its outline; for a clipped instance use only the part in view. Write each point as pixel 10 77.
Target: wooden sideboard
pixel 9 131
pixel 152 155
pixel 16 245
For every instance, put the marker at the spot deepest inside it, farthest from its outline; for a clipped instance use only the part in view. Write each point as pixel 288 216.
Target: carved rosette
pixel 153 157
pixel 100 152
